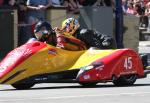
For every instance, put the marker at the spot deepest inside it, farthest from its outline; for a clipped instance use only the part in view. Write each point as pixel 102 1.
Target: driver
pixel 43 32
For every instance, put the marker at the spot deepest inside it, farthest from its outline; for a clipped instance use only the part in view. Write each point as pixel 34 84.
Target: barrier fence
pixel 13 34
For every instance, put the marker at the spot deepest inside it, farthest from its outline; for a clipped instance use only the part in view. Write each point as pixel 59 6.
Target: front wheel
pixel 125 80
pixel 23 86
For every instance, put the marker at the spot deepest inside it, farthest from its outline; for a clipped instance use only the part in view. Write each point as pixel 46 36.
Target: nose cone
pixel 17 56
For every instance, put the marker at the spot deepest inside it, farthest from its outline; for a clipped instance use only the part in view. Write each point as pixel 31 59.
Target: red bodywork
pixel 122 62
pixel 18 55
pixel 118 62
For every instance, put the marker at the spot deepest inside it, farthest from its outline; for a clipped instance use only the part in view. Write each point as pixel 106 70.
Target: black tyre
pixel 124 80
pixel 88 84
pixel 23 86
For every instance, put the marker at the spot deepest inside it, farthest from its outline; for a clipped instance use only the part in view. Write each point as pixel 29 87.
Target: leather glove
pixel 105 43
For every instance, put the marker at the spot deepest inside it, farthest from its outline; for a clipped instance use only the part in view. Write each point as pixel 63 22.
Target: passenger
pixel 71 29
pixel 37 10
pixel 93 38
pixel 65 36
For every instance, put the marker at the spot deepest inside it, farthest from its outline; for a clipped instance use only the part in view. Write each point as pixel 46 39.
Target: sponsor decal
pixel 2 68
pixel 40 79
pixel 10 60
pixel 27 53
pixel 128 63
pixel 86 77
pixel 52 51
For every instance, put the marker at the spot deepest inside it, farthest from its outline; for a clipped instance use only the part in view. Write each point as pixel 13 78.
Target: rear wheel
pixel 125 80
pixel 23 86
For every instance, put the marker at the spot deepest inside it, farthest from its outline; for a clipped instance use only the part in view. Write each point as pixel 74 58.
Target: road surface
pixel 74 93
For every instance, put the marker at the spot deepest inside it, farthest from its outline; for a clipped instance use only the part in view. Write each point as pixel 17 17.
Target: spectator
pixel 22 9
pixel 23 29
pixel 108 2
pixel 124 6
pixel 36 10
pixel 87 2
pixel 145 2
pixel 147 10
pixel 143 21
pixel 56 2
pixel 131 9
pixel 98 3
pixel 72 5
pixel 9 4
pixel 1 2
pixel 139 11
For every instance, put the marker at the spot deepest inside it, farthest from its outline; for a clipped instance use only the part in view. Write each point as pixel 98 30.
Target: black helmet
pixel 42 30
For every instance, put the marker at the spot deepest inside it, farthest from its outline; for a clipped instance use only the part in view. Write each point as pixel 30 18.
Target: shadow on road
pixel 74 87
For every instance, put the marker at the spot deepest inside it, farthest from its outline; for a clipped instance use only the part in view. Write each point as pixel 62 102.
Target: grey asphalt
pixel 74 93
pixel 144 47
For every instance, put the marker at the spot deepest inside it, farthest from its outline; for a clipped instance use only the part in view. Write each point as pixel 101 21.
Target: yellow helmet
pixel 70 25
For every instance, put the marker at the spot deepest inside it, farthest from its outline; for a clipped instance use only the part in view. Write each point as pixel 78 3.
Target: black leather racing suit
pixel 96 39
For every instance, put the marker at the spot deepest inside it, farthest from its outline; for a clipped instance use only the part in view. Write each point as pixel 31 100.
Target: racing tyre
pixel 125 80
pixel 23 86
pixel 88 84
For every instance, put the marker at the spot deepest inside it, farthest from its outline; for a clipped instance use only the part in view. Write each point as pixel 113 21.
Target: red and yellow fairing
pixel 39 58
pixel 122 62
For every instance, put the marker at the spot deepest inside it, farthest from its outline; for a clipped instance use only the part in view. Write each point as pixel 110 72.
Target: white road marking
pixel 78 96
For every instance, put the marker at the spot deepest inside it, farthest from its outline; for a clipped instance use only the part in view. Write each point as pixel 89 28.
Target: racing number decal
pixel 128 63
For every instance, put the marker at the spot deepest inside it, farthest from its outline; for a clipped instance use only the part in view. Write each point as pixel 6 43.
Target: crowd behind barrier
pixel 28 16
pixel 25 6
pixel 31 11
pixel 139 8
pixel 59 10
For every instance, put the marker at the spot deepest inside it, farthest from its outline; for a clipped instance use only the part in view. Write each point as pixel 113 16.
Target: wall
pixel 9 31
pixel 100 18
pixel 131 32
pixel 56 15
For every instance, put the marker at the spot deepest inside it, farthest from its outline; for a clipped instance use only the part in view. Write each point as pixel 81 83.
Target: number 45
pixel 128 63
